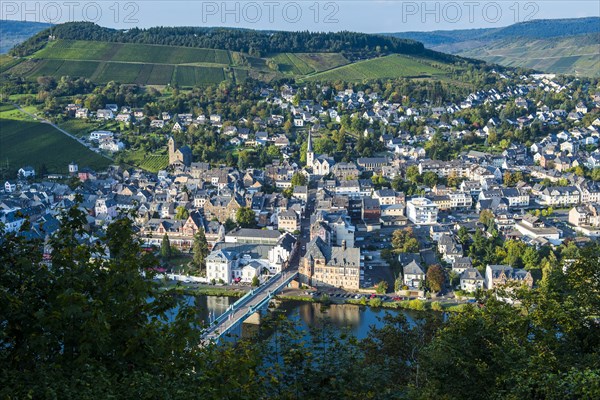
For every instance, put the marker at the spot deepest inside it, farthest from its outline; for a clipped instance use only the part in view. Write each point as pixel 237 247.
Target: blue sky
pixel 355 15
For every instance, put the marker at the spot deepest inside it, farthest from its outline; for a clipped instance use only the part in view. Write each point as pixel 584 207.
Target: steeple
pixel 310 155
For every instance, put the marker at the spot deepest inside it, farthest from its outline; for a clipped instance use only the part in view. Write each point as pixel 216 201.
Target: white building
pixel 471 280
pixel 26 172
pixel 219 265
pixel 421 211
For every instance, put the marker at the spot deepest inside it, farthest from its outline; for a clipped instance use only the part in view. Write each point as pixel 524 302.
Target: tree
pixel 430 178
pixel 298 179
pixel 165 248
pixel 199 249
pixel 245 217
pixel 255 281
pixel 463 235
pixel 94 327
pixel 412 174
pixel 404 241
pixel 182 213
pixel 531 258
pixel 381 287
pixel 487 218
pixel 436 277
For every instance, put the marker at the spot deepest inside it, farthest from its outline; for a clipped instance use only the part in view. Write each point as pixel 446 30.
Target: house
pixel 26 172
pixel 82 113
pixel 421 211
pixel 534 228
pixel 330 266
pixel 500 275
pixel 586 219
pixel 300 193
pixel 99 135
pixel 374 164
pixel 219 265
pixel 461 264
pixel 561 196
pixel 288 221
pixel 414 276
pixel 9 187
pixel 104 114
pixel 471 280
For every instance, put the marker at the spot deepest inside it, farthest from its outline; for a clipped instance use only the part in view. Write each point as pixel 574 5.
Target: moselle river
pixel 353 318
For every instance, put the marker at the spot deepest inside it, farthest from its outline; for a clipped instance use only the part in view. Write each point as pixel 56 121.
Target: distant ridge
pixel 567 46
pixel 15 32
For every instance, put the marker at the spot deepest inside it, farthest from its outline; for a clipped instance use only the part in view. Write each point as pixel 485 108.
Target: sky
pixel 354 15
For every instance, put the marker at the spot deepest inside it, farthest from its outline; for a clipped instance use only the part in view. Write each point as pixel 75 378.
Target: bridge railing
pixel 246 298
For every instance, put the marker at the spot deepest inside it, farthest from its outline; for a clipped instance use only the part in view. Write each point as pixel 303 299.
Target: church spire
pixel 310 155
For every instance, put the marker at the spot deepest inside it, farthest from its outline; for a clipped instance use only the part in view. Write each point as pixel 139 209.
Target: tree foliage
pixel 405 241
pixel 436 277
pixel 245 217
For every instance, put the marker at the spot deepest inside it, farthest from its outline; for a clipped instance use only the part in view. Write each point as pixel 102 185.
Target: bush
pixel 363 301
pixel 375 302
pixel 436 306
pixel 416 304
pixel 325 299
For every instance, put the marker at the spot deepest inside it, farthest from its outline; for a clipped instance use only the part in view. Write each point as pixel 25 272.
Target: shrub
pixel 375 302
pixel 416 304
pixel 436 306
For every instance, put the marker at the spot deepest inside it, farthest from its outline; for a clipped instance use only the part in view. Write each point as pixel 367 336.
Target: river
pixel 353 318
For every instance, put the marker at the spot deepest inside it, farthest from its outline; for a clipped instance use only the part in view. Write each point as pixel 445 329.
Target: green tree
pixel 182 213
pixel 298 179
pixel 531 258
pixel 255 281
pixel 86 327
pixel 430 178
pixel 200 249
pixel 381 287
pixel 245 217
pixel 165 248
pixel 404 241
pixel 436 277
pixel 412 174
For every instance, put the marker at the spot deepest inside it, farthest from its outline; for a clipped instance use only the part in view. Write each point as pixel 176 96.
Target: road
pixel 58 128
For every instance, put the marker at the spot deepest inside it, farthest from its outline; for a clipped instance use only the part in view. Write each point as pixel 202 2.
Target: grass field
pixel 307 63
pixel 392 66
pixel 290 63
pixel 131 52
pixel 149 162
pixel 25 142
pixel 198 76
pixel 7 62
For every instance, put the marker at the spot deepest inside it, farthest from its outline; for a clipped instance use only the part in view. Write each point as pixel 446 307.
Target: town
pixel 403 219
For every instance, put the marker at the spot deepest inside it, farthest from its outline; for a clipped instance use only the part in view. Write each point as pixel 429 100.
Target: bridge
pixel 250 303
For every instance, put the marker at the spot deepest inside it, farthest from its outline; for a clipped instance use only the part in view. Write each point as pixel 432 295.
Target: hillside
pixel 171 59
pixel 13 33
pixel 545 45
pixel 576 55
pixel 25 141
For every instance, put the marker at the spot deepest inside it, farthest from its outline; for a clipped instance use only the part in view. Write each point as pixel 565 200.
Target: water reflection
pixel 353 318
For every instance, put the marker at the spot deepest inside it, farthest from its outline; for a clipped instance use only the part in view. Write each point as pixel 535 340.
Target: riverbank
pixel 417 305
pixel 192 289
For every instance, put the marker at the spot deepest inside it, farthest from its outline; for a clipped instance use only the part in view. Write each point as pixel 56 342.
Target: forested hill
pixel 255 43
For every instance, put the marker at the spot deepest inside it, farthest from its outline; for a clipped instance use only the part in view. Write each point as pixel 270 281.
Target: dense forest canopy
pixel 248 41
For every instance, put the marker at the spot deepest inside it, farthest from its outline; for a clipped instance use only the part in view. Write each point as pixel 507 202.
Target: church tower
pixel 310 155
pixel 171 146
